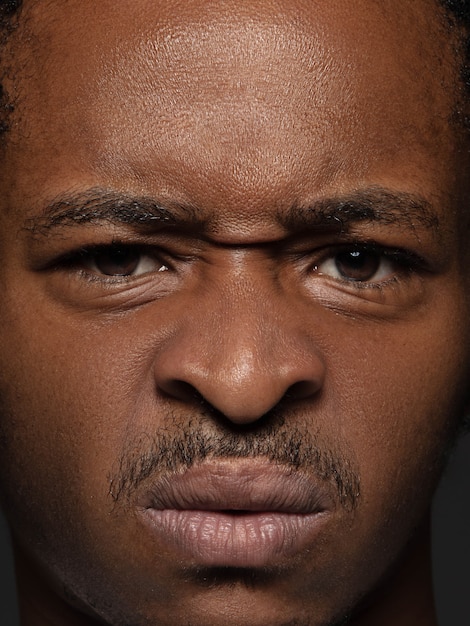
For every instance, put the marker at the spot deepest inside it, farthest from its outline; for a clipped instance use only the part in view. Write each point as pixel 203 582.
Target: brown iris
pixel 360 265
pixel 116 260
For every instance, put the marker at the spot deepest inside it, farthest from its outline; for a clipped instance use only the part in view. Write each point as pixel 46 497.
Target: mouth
pixel 236 514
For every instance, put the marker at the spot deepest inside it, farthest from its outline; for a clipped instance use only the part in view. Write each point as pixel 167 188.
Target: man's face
pixel 234 304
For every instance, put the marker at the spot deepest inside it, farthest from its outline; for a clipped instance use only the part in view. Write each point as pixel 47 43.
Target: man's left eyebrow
pixel 96 206
pixel 373 205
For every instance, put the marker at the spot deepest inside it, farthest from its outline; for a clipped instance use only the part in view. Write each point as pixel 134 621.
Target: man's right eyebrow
pixel 98 206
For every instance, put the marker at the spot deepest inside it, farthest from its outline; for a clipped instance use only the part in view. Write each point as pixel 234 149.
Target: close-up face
pixel 234 350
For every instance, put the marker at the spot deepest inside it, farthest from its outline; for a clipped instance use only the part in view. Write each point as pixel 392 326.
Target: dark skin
pixel 233 259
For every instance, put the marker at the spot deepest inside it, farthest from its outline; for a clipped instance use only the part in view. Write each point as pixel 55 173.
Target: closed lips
pixel 238 514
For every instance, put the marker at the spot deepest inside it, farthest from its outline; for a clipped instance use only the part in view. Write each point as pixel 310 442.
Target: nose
pixel 242 358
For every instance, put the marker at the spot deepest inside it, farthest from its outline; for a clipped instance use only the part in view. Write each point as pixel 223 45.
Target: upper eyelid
pixel 72 257
pixel 331 249
pixel 90 250
pixel 77 259
pixel 408 264
pixel 391 252
pixel 159 251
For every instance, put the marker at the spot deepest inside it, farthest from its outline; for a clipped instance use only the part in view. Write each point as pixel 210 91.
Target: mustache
pixel 296 449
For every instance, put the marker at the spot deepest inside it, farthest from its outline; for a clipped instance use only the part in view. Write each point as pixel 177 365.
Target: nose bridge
pixel 244 317
pixel 241 348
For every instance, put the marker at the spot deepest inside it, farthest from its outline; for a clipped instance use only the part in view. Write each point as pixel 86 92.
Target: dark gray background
pixel 451 548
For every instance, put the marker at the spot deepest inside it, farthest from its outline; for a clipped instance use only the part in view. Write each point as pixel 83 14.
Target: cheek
pixel 400 396
pixel 59 418
pixel 70 398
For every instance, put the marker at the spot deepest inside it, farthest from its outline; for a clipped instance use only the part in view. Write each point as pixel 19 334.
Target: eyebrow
pixel 100 205
pixel 371 205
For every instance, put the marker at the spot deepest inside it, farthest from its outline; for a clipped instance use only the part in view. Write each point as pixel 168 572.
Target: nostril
pixel 181 390
pixel 301 390
pixel 240 385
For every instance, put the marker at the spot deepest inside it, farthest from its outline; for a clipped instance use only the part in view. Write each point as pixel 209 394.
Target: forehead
pixel 254 98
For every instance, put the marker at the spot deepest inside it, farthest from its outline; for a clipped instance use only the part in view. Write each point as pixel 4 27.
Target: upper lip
pixel 239 486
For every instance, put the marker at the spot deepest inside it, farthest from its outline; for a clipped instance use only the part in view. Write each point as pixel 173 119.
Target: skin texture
pixel 265 128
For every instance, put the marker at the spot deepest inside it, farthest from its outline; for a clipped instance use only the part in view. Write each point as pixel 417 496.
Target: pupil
pixel 118 261
pixel 357 264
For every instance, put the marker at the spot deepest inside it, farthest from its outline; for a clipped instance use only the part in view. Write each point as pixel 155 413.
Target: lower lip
pixel 221 539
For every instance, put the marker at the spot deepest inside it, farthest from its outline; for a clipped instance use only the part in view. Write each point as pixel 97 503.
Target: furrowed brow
pixel 97 206
pixel 339 213
pixel 373 205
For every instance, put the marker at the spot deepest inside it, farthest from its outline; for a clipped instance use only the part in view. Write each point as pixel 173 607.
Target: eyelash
pixel 405 262
pixel 76 259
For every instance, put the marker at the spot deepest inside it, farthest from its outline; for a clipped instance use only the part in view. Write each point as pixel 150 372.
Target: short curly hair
pixel 9 7
pixel 459 9
pixel 9 14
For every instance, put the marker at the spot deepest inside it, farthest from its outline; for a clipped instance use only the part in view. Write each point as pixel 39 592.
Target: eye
pixel 359 265
pixel 120 260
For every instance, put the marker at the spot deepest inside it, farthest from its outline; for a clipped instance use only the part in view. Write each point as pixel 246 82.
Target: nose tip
pixel 241 387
